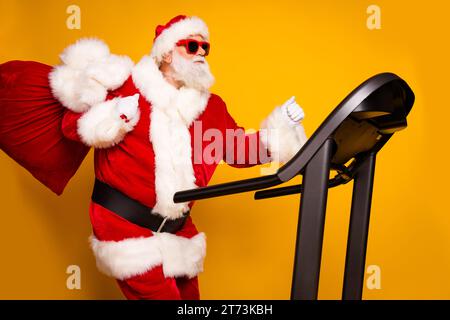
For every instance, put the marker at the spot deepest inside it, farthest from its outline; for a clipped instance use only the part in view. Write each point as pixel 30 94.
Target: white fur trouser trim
pixel 179 256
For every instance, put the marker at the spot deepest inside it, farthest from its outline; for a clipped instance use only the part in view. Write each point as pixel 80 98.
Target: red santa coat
pixel 159 153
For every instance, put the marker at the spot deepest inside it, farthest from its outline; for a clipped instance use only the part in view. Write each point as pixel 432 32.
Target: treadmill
pixel 346 143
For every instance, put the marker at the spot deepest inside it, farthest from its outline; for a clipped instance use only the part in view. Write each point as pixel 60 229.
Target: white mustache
pixel 200 59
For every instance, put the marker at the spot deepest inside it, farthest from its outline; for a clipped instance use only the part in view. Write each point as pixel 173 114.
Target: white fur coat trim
pixel 88 70
pixel 179 256
pixel 280 137
pixel 172 112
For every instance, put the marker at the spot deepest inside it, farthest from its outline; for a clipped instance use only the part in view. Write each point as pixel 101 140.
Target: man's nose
pixel 201 52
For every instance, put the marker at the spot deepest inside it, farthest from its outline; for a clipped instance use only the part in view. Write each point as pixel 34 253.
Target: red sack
pixel 30 125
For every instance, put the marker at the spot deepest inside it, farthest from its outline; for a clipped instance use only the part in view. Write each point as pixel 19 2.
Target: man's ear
pixel 167 57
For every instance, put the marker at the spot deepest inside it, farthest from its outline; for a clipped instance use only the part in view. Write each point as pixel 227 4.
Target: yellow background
pixel 262 53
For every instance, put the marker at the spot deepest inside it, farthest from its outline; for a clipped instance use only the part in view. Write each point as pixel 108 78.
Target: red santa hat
pixel 178 28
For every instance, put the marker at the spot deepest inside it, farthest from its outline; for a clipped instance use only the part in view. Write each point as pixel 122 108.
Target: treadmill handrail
pixel 227 188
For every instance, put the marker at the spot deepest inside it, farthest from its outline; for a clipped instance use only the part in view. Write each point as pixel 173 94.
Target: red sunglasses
pixel 193 45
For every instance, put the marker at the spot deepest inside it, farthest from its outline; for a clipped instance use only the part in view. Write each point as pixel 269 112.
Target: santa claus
pixel 139 118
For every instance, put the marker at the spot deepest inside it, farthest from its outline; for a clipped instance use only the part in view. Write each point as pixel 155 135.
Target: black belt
pixel 134 211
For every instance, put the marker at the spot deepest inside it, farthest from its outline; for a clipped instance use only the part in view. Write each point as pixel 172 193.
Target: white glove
pixel 293 111
pixel 128 107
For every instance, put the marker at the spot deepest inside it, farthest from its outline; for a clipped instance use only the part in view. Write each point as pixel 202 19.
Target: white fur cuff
pixel 102 126
pixel 179 256
pixel 280 137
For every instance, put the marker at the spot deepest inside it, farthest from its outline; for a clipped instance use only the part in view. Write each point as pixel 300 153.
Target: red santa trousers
pixel 152 283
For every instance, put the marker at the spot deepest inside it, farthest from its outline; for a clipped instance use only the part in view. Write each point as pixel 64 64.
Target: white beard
pixel 191 74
